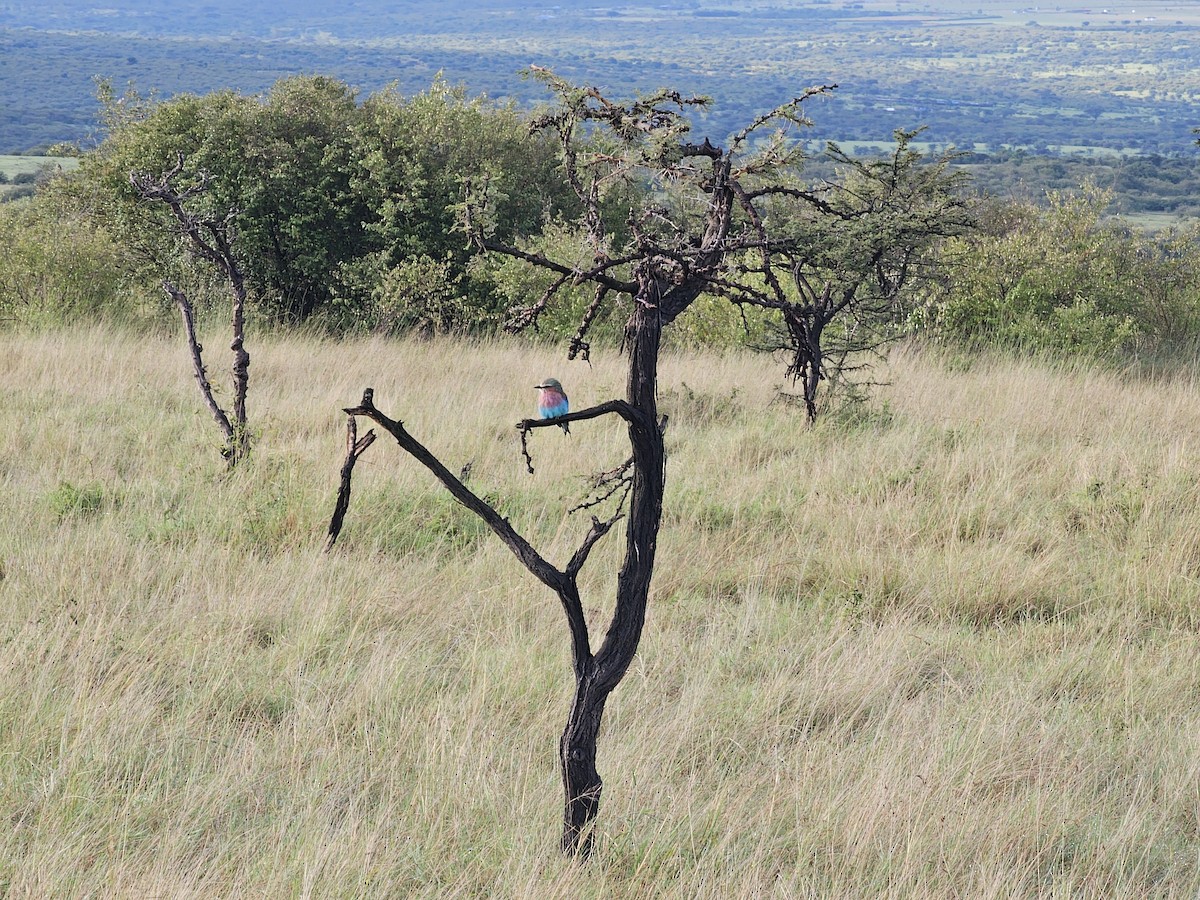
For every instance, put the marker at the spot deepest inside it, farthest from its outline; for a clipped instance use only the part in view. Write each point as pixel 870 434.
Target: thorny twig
pixel 615 480
pixel 524 429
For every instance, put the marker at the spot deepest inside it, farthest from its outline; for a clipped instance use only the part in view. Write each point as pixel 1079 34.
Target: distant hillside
pixel 1149 189
pixel 980 74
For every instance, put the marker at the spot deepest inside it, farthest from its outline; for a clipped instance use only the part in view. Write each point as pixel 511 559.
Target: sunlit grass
pixel 942 644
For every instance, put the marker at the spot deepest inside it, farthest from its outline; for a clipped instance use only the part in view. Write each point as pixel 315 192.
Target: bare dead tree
pixel 355 447
pixel 708 221
pixel 596 673
pixel 208 238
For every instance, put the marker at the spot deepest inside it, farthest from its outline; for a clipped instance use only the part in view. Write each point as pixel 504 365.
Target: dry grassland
pixel 942 645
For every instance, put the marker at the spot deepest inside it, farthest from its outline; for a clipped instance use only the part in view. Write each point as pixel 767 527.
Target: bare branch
pixel 619 407
pixel 354 449
pixel 760 228
pixel 532 560
pixel 578 343
pixel 195 350
pixel 599 529
pixel 209 239
pixel 563 583
pixel 609 407
pixel 525 316
pixel 787 111
pixel 614 480
pixel 598 274
pixel 813 198
pixel 208 236
pixel 525 449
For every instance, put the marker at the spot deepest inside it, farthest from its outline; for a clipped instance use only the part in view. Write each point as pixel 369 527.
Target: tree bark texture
pixel 595 680
pixel 582 784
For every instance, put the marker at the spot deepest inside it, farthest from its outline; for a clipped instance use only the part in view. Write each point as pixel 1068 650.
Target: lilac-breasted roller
pixel 552 401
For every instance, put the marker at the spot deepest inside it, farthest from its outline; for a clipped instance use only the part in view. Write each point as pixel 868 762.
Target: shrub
pixel 58 267
pixel 1064 279
pixel 68 500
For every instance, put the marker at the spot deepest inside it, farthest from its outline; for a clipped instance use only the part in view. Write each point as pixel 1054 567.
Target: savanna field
pixel 942 644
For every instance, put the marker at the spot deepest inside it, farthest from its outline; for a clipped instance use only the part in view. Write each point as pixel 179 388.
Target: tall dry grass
pixel 942 645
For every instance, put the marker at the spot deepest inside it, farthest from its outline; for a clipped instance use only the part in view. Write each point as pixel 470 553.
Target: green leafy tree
pixel 419 295
pixel 300 217
pixel 415 157
pixel 334 199
pixel 148 136
pixel 1063 278
pixel 1164 272
pixel 283 164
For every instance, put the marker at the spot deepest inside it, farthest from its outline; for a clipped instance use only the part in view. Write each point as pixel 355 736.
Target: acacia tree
pixel 855 246
pixel 701 218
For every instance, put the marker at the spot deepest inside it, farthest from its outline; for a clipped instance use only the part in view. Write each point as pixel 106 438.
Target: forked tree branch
pixel 599 529
pixel 355 447
pixel 209 238
pixel 598 274
pixel 562 582
pixel 524 551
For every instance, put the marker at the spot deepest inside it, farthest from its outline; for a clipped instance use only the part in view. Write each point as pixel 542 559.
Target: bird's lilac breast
pixel 551 404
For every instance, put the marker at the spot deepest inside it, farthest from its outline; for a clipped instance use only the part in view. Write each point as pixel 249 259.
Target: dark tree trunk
pixel 812 380
pixel 240 446
pixel 577 758
pixel 596 678
pixel 807 359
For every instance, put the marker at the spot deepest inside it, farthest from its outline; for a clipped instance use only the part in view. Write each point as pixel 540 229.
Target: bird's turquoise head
pixel 550 384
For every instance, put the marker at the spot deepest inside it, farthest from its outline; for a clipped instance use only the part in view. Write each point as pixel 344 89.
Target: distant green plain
pixel 11 166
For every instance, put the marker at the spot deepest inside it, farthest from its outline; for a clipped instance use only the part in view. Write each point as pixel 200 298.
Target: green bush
pixel 422 295
pixel 717 323
pixel 68 500
pixel 1064 279
pixel 337 203
pixel 57 267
